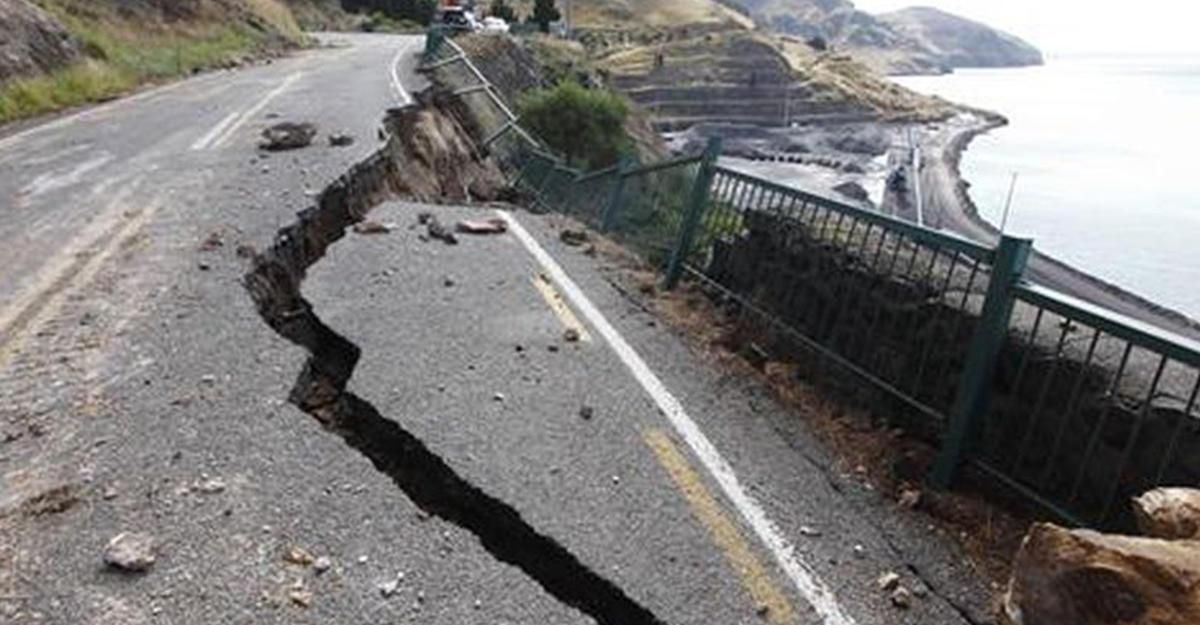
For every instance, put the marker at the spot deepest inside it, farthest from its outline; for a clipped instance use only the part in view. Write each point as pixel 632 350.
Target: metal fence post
pixel 434 38
pixel 613 209
pixel 974 386
pixel 693 211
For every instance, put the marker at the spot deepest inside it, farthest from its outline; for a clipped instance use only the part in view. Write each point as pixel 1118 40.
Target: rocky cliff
pixel 911 41
pixel 959 42
pixel 33 41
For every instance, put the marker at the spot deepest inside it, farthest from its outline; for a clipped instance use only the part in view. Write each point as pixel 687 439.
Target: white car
pixel 494 25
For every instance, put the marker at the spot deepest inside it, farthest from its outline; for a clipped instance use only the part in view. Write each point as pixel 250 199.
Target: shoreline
pixel 951 156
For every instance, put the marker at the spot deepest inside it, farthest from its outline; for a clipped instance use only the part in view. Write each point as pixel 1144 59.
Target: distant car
pixel 458 18
pixel 494 25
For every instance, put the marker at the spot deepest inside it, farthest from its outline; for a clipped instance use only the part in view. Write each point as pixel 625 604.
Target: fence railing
pixel 1073 406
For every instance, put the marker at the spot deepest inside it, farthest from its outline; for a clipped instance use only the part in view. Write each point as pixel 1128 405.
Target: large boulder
pixel 1169 513
pixel 1082 577
pixel 31 41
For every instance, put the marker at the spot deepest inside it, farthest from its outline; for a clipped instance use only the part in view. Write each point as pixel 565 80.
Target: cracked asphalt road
pixel 143 393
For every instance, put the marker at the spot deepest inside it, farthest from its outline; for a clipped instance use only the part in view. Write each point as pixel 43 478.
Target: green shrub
pixel 587 126
pixel 544 12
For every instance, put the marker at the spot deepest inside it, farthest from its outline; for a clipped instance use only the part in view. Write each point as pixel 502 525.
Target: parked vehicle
pixel 494 25
pixel 457 18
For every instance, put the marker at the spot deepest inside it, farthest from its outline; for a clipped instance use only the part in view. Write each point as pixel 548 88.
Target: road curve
pixel 144 393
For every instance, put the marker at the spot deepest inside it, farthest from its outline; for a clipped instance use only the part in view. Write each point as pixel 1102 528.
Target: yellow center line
pixel 555 301
pixel 722 530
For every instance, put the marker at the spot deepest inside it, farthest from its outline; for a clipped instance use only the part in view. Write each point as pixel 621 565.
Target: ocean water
pixel 1105 148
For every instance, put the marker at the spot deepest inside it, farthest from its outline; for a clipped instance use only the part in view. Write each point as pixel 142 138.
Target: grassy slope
pixel 127 49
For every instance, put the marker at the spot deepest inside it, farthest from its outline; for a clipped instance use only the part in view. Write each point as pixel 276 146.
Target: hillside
pixel 61 53
pixel 698 61
pixel 959 42
pixel 910 41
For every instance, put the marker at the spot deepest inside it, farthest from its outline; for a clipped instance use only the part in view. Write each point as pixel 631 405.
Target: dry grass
pixel 126 50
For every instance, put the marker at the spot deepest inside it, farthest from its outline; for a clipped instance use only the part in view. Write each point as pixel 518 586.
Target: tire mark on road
pixel 71 269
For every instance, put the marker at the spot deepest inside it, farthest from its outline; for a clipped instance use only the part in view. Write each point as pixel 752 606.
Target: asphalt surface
pixel 143 393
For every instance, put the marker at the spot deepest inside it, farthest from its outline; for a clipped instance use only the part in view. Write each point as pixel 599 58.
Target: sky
pixel 1076 26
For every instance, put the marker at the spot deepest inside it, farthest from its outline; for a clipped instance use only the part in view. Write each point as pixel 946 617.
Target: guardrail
pixel 1073 406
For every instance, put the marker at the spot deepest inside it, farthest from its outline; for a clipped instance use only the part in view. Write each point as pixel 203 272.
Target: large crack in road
pixel 274 283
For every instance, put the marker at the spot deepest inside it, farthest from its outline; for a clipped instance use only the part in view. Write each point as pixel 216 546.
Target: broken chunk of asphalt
pixel 436 230
pixel 424 477
pixel 287 136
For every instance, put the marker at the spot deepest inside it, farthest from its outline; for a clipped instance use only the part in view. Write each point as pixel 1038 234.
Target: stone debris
pixel 1169 513
pixel 586 412
pixel 498 397
pixel 373 227
pixel 434 228
pixel 322 564
pixel 131 551
pixel 209 486
pixel 494 225
pixel 302 598
pixel 340 140
pixel 109 494
pixel 888 581
pixel 1065 576
pixel 574 238
pixel 571 335
pixel 298 556
pixel 808 530
pixel 390 587
pixel 860 551
pixel 288 136
pixel 902 598
pixel 909 498
pixel 212 242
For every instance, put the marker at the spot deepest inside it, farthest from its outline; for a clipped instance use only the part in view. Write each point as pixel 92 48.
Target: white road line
pixel 254 110
pixel 805 579
pixel 397 86
pixel 203 142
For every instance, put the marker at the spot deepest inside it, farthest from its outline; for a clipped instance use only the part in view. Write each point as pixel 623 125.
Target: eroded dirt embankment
pixel 430 157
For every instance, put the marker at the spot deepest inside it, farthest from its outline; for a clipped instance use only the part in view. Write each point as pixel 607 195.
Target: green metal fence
pixel 1072 406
